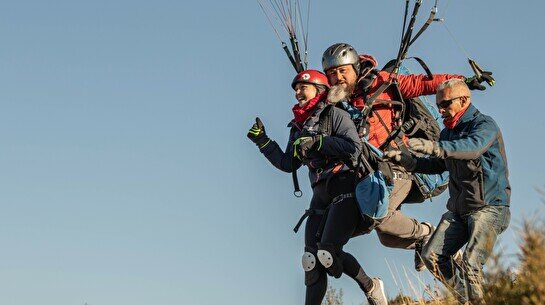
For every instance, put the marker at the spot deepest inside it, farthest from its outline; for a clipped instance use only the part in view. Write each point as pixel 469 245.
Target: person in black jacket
pixel 325 139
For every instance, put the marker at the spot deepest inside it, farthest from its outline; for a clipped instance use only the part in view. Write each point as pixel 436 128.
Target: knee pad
pixel 310 266
pixel 329 258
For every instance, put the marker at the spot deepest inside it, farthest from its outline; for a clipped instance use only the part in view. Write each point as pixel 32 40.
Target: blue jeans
pixel 479 230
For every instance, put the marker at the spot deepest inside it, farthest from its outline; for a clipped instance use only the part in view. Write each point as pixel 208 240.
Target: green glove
pixel 401 158
pixel 257 134
pixel 424 146
pixel 303 146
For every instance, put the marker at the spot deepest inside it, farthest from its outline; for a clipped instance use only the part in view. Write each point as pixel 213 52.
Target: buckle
pixel 400 176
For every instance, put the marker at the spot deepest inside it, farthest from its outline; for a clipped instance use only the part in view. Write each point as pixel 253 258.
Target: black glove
pixel 303 146
pixel 474 82
pixel 401 158
pixel 257 134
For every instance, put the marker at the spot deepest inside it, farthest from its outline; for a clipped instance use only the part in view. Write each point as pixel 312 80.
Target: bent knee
pixel 313 270
pixel 330 258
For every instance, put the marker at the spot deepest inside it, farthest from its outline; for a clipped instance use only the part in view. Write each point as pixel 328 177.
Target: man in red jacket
pixel 354 78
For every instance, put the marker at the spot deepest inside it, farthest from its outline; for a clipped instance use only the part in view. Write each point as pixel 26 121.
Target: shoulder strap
pixel 326 120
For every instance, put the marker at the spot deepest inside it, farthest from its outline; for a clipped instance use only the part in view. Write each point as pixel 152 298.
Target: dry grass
pixel 521 284
pixel 526 284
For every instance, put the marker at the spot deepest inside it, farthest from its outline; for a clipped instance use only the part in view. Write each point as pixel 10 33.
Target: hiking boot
pixel 459 291
pixel 418 262
pixel 377 296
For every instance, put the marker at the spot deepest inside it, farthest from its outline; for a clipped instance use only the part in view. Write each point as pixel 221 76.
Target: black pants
pixel 341 221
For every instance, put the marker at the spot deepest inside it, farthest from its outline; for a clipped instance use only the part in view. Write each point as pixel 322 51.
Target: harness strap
pixel 366 164
pixel 322 223
pixel 381 120
pixel 296 190
pixel 311 212
pixel 372 98
pixel 342 197
pixel 424 66
pixel 396 133
pixel 308 212
pixel 367 108
pixel 335 200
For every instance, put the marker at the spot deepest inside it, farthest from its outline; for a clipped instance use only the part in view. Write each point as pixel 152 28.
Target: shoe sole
pixel 421 267
pixel 382 290
pixel 432 230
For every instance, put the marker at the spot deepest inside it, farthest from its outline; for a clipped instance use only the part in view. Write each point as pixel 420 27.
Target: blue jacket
pixel 343 145
pixel 473 152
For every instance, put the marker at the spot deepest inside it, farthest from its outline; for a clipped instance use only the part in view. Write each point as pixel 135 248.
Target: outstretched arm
pixel 284 161
pixel 414 85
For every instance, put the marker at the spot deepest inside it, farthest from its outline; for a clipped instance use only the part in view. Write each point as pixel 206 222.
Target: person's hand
pixel 304 145
pixel 257 134
pixel 474 82
pixel 424 146
pixel 401 158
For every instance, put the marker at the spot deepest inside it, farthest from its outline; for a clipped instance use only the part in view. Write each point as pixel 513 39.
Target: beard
pixel 338 93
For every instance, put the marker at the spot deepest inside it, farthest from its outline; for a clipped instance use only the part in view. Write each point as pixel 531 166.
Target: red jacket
pixel 410 86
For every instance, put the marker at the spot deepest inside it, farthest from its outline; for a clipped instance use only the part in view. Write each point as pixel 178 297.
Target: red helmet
pixel 314 77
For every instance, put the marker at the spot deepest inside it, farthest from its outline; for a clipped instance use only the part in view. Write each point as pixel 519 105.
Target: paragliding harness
pixel 325 123
pixel 325 126
pixel 413 116
pixel 417 119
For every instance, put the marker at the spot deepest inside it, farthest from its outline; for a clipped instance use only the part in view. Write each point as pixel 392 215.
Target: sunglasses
pixel 444 104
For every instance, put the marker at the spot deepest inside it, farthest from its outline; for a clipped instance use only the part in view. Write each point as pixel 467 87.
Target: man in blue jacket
pixel 471 148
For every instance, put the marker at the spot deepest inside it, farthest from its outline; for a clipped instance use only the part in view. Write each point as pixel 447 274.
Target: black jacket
pixel 342 145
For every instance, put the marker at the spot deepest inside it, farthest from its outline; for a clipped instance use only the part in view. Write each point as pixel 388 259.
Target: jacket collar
pixel 468 116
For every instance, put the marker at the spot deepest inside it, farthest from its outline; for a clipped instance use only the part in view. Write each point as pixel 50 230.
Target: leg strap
pixel 308 212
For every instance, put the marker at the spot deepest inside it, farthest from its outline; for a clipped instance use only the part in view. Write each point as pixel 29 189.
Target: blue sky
pixel 126 174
